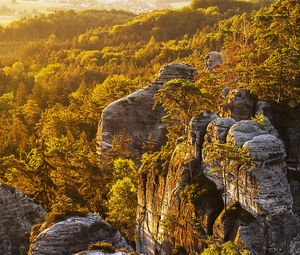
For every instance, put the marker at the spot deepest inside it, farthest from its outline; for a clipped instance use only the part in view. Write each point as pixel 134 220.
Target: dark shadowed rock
pixel 241 227
pixel 74 235
pixel 18 213
pixel 197 130
pixel 134 115
pixel 251 236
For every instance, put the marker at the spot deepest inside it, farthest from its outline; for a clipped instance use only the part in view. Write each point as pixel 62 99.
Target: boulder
pixel 18 213
pixel 72 235
pixel 213 60
pixel 242 132
pixel 134 115
pixel 218 130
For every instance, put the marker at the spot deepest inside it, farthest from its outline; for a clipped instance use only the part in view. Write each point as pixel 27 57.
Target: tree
pixel 122 203
pixel 227 158
pixel 181 100
pixel 276 77
pixel 216 247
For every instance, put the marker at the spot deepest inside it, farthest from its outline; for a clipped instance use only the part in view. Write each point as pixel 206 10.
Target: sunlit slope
pixel 166 25
pixel 10 11
pixel 62 24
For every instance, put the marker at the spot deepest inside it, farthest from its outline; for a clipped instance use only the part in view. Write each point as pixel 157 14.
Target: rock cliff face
pixel 18 213
pixel 73 235
pixel 180 208
pixel 134 115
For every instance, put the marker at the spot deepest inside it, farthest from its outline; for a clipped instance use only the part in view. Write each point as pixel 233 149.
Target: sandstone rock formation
pixel 181 207
pixel 134 115
pixel 18 213
pixel 238 104
pixel 73 235
pixel 263 191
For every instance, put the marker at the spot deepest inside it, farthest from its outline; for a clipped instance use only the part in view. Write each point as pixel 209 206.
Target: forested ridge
pixel 59 71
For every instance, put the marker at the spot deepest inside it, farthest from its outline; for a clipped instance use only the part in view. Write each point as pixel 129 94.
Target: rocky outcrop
pixel 181 206
pixel 213 60
pixel 241 227
pixel 18 213
pixel 198 129
pixel 238 104
pixel 263 191
pixel 72 235
pixel 134 115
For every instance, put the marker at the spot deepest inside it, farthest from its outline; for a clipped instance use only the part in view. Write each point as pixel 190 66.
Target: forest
pixel 59 71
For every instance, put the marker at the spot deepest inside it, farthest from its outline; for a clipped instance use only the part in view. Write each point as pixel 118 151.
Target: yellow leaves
pixel 227 156
pixel 259 119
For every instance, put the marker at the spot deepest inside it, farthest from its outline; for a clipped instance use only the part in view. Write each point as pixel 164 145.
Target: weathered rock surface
pixel 198 129
pixel 167 217
pixel 241 227
pixel 213 60
pixel 263 190
pixel 242 132
pixel 238 104
pixel 134 115
pixel 251 236
pixel 18 213
pixel 72 235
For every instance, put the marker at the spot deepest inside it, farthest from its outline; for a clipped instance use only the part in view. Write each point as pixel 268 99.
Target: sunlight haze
pixel 14 9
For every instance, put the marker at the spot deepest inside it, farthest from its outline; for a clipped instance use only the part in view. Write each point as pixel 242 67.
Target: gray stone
pixel 134 115
pixel 178 71
pixel 263 189
pixel 74 235
pixel 218 129
pixel 239 104
pixel 197 130
pixel 251 236
pixel 264 108
pixel 18 213
pixel 295 246
pixel 213 60
pixel 242 132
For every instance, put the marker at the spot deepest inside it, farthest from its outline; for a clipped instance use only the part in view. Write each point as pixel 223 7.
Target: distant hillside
pixel 167 25
pixel 62 24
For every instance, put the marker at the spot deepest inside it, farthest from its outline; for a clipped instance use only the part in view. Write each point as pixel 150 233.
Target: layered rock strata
pixel 73 235
pixel 18 213
pixel 182 207
pixel 134 115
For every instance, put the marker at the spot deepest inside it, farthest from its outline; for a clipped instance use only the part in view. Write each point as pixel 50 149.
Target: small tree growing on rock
pixel 181 100
pixel 227 158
